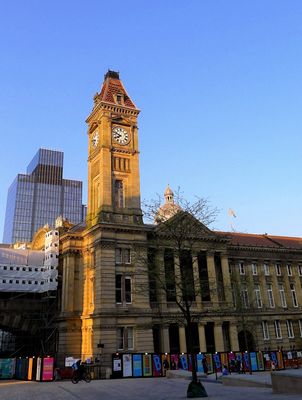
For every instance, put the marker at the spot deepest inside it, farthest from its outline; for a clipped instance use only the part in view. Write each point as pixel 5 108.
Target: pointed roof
pixel 113 91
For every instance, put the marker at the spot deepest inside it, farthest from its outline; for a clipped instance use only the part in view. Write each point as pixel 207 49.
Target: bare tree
pixel 180 228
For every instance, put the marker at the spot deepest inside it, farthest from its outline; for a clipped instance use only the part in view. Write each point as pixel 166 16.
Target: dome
pixel 168 209
pixel 168 192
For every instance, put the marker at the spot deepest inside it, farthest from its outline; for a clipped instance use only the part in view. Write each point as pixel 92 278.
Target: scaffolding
pixel 28 298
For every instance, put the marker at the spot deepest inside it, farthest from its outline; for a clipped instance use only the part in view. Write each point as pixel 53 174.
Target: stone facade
pixel 247 287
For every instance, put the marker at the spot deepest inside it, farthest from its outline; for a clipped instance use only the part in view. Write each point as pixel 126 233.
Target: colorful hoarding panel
pixel 199 366
pixel 117 371
pixel 232 362
pixel 147 365
pixel 127 365
pixel 7 368
pixel 217 363
pixel 224 360
pixel 267 361
pixel 253 358
pixel 174 361
pixel 38 371
pixel 137 365
pixel 156 361
pixel 210 364
pixel 30 369
pixel 47 371
pixel 260 361
pixel 183 362
pixel 21 368
pixel 246 361
pixel 280 360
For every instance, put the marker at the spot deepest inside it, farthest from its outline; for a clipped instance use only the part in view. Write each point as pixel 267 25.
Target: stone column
pixel 182 339
pixel 212 279
pixel 226 279
pixel 177 276
pixel 70 282
pixel 160 265
pixel 196 281
pixel 234 337
pixel 202 338
pixel 218 336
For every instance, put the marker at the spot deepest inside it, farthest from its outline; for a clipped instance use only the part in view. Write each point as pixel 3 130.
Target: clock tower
pixel 113 156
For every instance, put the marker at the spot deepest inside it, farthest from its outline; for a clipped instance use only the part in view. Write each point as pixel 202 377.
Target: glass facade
pixel 40 196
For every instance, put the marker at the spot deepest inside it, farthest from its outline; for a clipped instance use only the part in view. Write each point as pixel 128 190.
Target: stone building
pixel 248 287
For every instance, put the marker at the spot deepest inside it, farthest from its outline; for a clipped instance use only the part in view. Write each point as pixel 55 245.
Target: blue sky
pixel 218 82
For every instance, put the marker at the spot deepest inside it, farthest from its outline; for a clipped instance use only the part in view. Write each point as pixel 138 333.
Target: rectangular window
pixel 122 256
pixel 123 292
pixel 118 256
pixel 127 256
pixel 270 296
pixel 118 288
pixel 278 329
pixel 130 339
pixel 118 194
pixel 300 270
pixel 300 327
pixel 294 296
pixel 233 295
pixel 128 295
pixel 289 327
pixel 241 268
pixel 289 270
pixel 254 269
pixel 258 296
pixel 282 296
pixel 244 297
pixel 125 338
pixel 266 269
pixel 278 269
pixel 265 330
pixel 120 338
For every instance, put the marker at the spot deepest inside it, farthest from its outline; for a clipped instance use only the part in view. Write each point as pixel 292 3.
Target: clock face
pixel 95 139
pixel 120 135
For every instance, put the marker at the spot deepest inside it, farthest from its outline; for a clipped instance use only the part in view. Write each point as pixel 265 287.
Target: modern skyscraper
pixel 40 196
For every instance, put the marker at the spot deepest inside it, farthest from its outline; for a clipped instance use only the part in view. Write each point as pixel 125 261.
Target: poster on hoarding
pixel 38 371
pixel 217 362
pixel 47 370
pixel 147 365
pixel 260 361
pixel 156 365
pixel 70 361
pixel 199 366
pixel 280 360
pixel 183 362
pixel 30 369
pixel 7 368
pixel 232 362
pixel 174 361
pixel 127 365
pixel 224 359
pixel 117 364
pixel 254 364
pixel 210 363
pixel 137 365
pixel 246 361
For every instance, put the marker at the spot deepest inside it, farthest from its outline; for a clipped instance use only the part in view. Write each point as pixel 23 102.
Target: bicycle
pixel 76 377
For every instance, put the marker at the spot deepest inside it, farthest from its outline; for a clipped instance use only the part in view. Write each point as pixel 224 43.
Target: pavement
pixel 142 388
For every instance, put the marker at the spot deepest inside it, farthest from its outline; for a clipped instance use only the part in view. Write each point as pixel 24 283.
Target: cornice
pixel 122 110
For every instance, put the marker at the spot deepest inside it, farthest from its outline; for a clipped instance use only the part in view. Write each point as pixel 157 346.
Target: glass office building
pixel 40 196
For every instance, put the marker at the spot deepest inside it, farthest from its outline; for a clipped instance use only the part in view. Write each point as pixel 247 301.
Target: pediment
pixel 185 226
